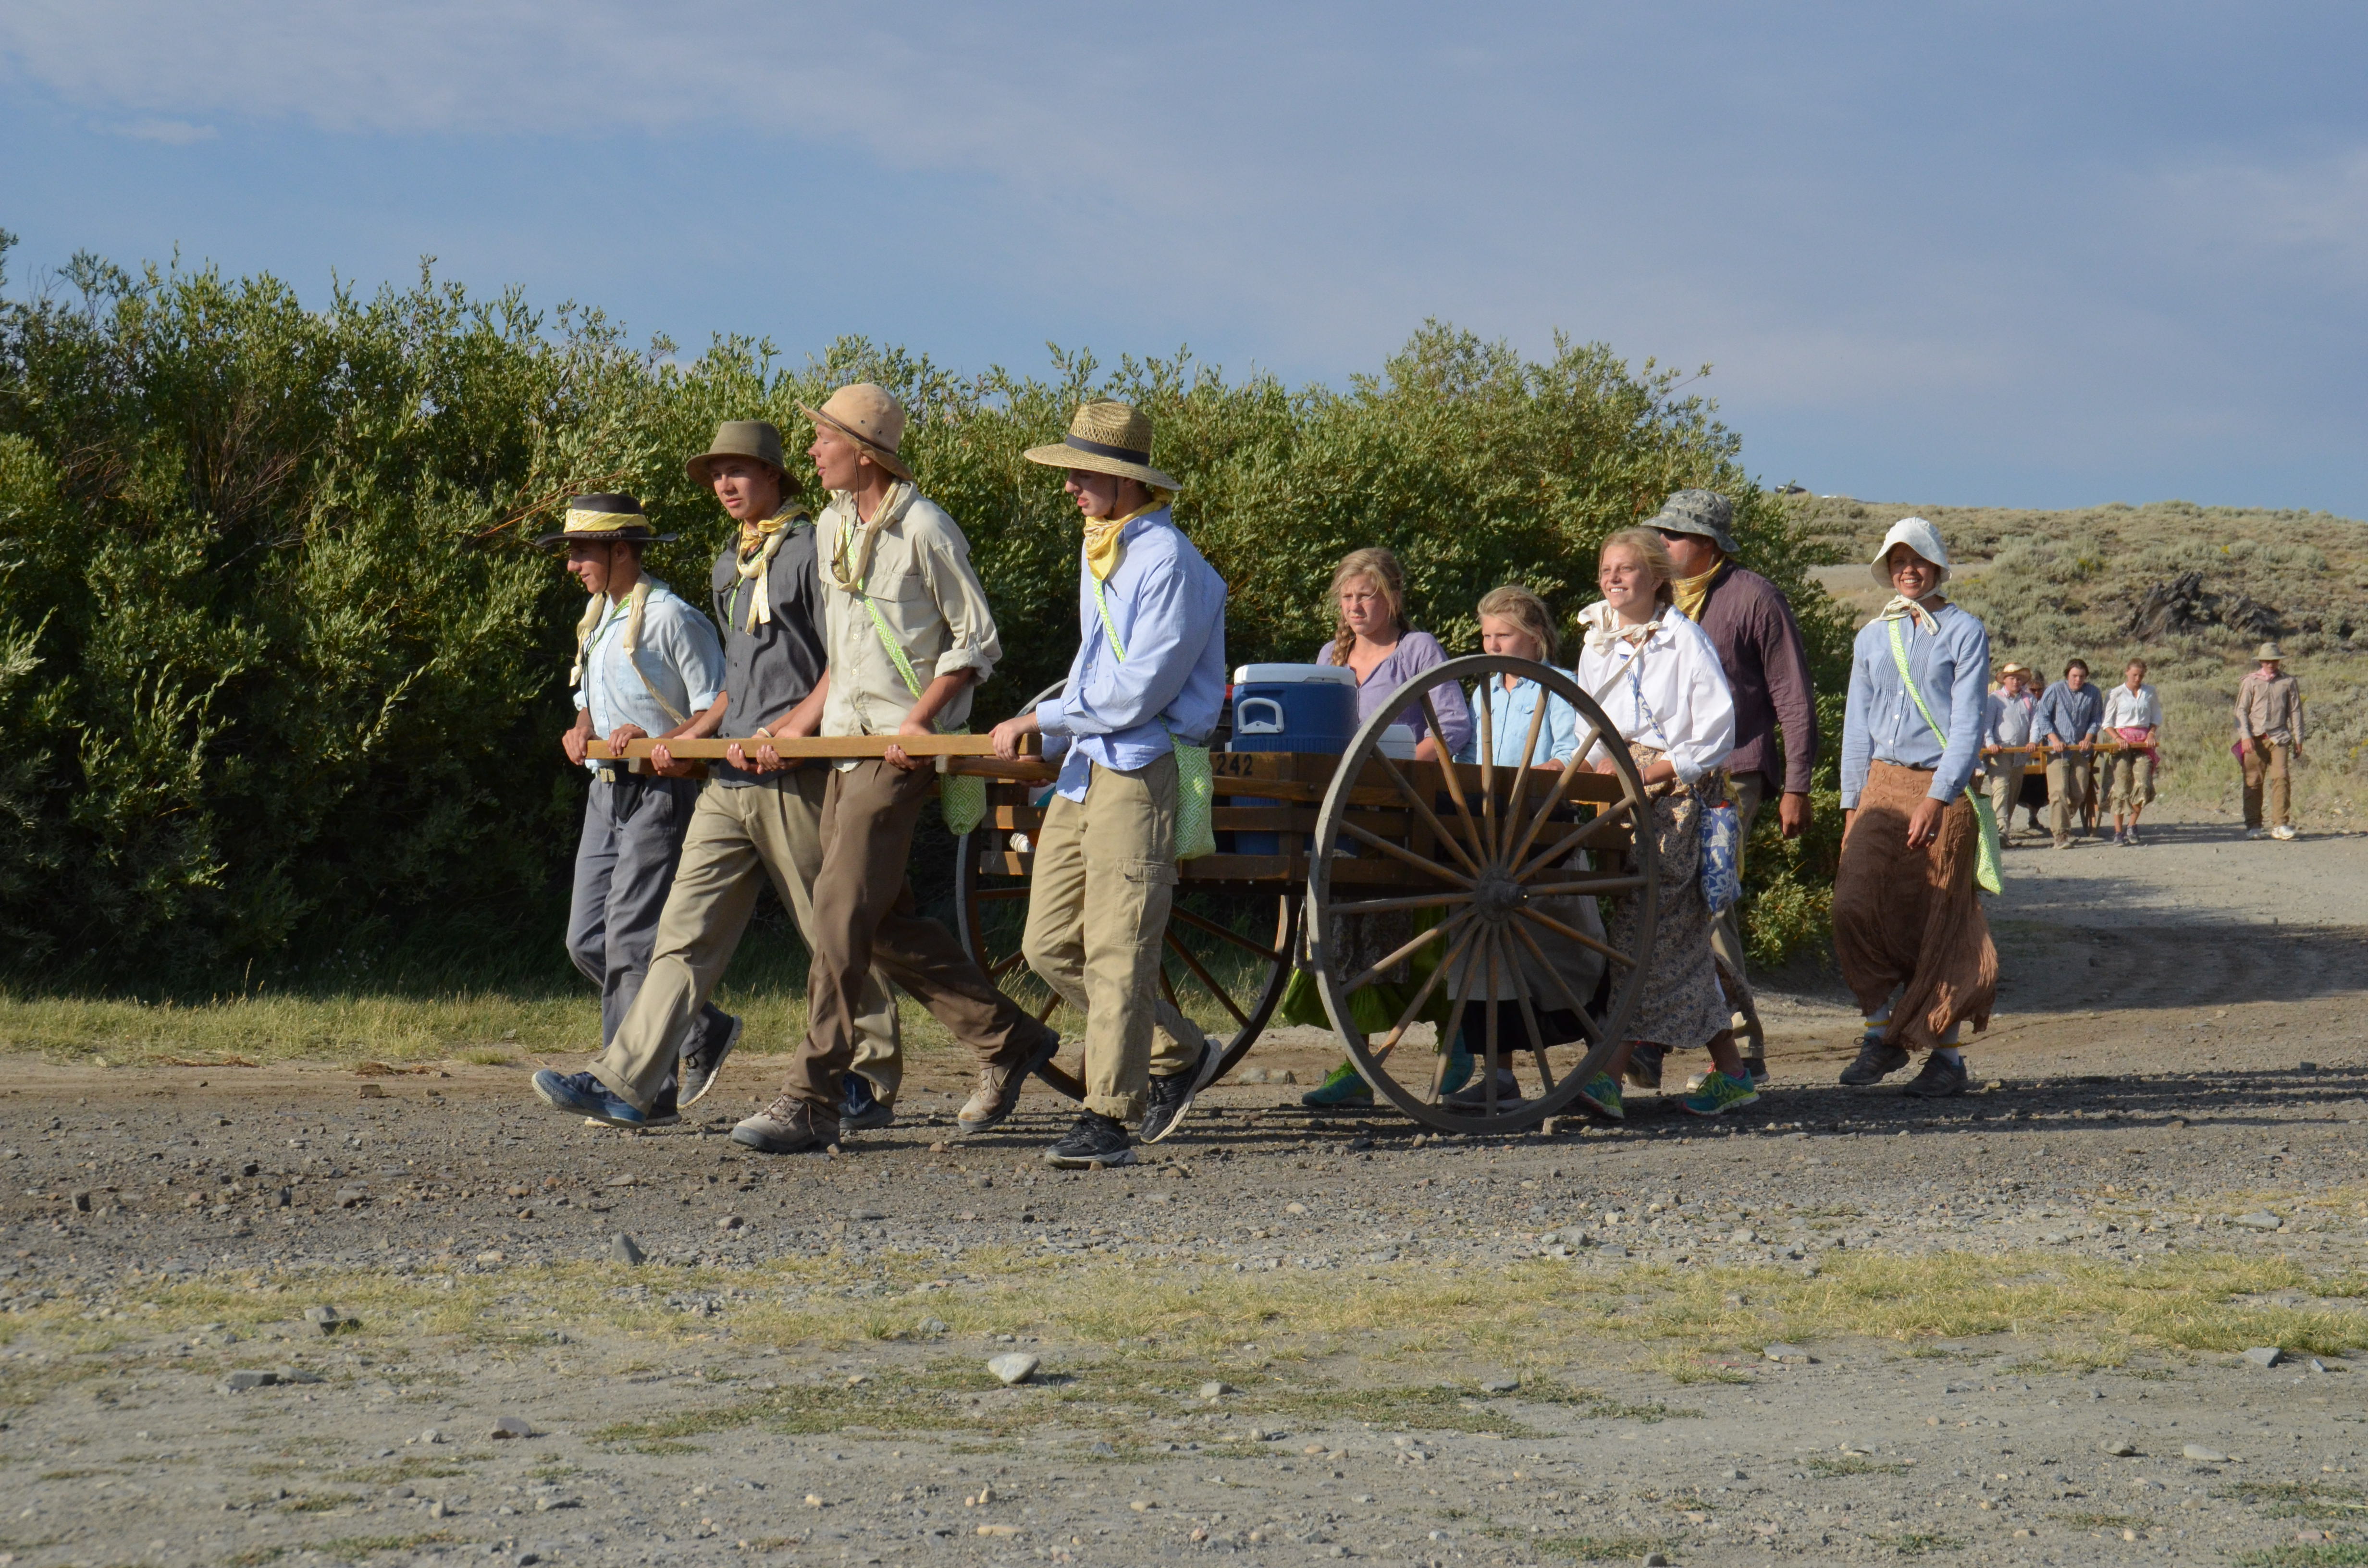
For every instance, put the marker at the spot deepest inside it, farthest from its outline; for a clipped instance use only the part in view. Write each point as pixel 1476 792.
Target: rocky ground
pixel 1844 1325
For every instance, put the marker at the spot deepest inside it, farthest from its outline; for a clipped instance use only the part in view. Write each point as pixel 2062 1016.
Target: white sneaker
pixel 2281 833
pixel 2257 833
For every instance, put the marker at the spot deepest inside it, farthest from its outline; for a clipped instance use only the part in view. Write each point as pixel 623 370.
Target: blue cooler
pixel 1303 708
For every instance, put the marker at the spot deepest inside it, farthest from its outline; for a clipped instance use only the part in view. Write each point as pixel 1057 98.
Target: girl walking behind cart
pixel 1908 926
pixel 1660 680
pixel 1375 641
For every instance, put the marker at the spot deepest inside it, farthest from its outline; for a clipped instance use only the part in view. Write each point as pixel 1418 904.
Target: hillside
pixel 2191 589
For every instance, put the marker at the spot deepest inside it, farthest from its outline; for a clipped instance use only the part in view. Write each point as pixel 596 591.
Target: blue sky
pixel 2038 254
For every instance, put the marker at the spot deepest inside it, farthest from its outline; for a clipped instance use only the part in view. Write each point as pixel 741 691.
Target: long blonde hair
pixel 1379 567
pixel 1515 603
pixel 1652 552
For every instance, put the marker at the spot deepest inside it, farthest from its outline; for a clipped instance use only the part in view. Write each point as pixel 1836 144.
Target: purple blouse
pixel 1416 652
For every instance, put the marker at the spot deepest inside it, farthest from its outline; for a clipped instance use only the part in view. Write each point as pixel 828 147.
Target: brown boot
pixel 787 1126
pixel 999 1084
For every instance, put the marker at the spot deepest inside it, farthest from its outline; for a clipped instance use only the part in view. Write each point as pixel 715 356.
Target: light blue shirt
pixel 1508 725
pixel 679 652
pixel 1168 607
pixel 1883 724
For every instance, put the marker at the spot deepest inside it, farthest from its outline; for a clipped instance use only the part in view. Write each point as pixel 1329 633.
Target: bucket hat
pixel 755 438
pixel 1917 535
pixel 605 517
pixel 2269 652
pixel 1106 437
pixel 869 416
pixel 1703 512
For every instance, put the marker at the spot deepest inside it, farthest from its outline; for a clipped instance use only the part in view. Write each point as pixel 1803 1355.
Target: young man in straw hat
pixel 646 663
pixel 2006 720
pixel 2269 737
pixel 1908 928
pixel 757 819
pixel 1767 665
pixel 908 631
pixel 1149 677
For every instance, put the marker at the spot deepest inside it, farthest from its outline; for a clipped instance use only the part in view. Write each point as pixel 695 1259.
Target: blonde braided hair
pixel 1380 568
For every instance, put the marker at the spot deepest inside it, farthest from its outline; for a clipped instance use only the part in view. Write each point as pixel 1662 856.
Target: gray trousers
pixel 1749 792
pixel 625 862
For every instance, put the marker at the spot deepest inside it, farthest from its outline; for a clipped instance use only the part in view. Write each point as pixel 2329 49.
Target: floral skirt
pixel 1684 1005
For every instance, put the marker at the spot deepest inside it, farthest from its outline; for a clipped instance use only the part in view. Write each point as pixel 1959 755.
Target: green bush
pixel 283 673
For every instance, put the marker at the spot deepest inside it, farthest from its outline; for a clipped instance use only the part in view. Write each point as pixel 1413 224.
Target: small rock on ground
pixel 1016 1368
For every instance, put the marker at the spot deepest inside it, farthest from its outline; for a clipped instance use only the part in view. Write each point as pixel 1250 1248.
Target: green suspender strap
pixel 1196 784
pixel 1990 872
pixel 962 797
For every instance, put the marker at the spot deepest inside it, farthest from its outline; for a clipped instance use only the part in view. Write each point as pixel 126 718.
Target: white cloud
pixel 171 132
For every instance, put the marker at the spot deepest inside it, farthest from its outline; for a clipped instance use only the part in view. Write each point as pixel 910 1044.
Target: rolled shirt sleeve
pixel 942 556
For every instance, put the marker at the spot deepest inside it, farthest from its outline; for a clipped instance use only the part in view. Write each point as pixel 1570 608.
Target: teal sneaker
pixel 1343 1085
pixel 1720 1094
pixel 1459 1069
pixel 1603 1095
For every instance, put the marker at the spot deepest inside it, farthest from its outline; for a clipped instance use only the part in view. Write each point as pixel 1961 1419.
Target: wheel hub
pixel 1496 895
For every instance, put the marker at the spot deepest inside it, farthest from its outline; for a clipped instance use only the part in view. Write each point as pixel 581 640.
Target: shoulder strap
pixel 1899 655
pixel 888 640
pixel 1109 626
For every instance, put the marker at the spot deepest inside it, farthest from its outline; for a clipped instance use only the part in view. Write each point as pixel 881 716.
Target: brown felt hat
pixel 755 438
pixel 1106 437
pixel 869 416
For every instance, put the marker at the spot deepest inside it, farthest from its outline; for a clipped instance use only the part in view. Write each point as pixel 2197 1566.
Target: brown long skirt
pixel 1912 917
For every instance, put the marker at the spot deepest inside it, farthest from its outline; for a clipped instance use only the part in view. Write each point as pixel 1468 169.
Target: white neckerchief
pixel 1925 619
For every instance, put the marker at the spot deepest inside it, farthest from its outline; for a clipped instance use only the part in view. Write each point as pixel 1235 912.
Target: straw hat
pixel 2011 669
pixel 870 416
pixel 755 438
pixel 1106 437
pixel 1917 535
pixel 1703 512
pixel 2270 653
pixel 604 518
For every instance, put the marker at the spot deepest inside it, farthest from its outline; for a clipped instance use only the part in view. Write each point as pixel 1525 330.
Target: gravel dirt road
pixel 1841 1326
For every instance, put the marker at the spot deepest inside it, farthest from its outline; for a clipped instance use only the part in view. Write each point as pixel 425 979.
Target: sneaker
pixel 2061 843
pixel 1172 1093
pixel 861 1108
pixel 1875 1063
pixel 787 1126
pixel 2257 833
pixel 1756 1069
pixel 998 1093
pixel 1092 1140
pixel 1939 1079
pixel 698 1067
pixel 1720 1094
pixel 1343 1085
pixel 581 1094
pixel 2121 839
pixel 2281 833
pixel 1602 1096
pixel 2131 838
pixel 1459 1068
pixel 1474 1097
pixel 1645 1066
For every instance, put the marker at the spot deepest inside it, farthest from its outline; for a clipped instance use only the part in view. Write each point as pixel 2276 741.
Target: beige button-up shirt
pixel 2269 710
pixel 919 576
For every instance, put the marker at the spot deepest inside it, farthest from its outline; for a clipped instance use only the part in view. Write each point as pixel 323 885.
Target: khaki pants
pixel 775 825
pixel 865 916
pixel 2272 761
pixel 1098 902
pixel 1749 792
pixel 2068 787
pixel 2129 781
pixel 2003 784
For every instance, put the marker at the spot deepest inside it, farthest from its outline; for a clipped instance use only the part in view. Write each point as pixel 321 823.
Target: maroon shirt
pixel 1759 645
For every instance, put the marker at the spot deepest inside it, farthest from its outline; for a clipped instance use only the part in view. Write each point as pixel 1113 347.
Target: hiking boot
pixel 1645 1066
pixel 1602 1096
pixel 787 1126
pixel 1474 1098
pixel 2281 833
pixel 1875 1063
pixel 1939 1079
pixel 1343 1085
pixel 1092 1140
pixel 861 1108
pixel 998 1087
pixel 1720 1094
pixel 1172 1093
pixel 581 1094
pixel 697 1069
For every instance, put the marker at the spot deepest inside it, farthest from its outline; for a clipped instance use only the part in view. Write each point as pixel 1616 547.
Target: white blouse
pixel 1669 693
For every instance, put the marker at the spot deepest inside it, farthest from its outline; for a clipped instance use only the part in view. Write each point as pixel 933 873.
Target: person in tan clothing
pixel 2268 738
pixel 908 633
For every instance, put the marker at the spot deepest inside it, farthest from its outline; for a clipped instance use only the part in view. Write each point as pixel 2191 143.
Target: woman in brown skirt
pixel 1908 926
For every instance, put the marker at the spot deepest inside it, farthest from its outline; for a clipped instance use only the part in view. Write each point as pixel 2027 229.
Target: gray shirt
pixel 768 670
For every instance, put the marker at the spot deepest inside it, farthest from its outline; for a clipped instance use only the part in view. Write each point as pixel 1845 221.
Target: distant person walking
pixel 2268 739
pixel 2006 719
pixel 1767 665
pixel 2133 716
pixel 1908 926
pixel 2069 716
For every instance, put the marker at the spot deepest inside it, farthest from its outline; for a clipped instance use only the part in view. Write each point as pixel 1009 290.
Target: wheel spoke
pixel 1397 1032
pixel 1384 905
pixel 1052 1005
pixel 1492 939
pixel 1578 837
pixel 1167 989
pixel 1589 889
pixel 1455 780
pixel 1418 862
pixel 1581 937
pixel 1488 826
pixel 1570 999
pixel 1019 892
pixel 1529 1021
pixel 1369 976
pixel 1522 773
pixel 1555 797
pixel 1226 933
pixel 1005 966
pixel 1241 1019
pixel 1422 809
pixel 1456 1003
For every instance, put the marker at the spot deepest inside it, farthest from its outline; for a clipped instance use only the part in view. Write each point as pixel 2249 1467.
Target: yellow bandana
pixel 1692 593
pixel 1102 551
pixel 850 563
pixel 759 543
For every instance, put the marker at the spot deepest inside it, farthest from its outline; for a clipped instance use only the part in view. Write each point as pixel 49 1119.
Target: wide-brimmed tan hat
pixel 1106 437
pixel 2011 669
pixel 600 519
pixel 755 438
pixel 871 417
pixel 2270 653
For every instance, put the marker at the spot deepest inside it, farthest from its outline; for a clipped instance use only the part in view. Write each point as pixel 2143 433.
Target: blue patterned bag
pixel 1722 857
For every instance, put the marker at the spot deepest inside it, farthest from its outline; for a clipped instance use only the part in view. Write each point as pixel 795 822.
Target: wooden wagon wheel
pixel 1226 956
pixel 1479 848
